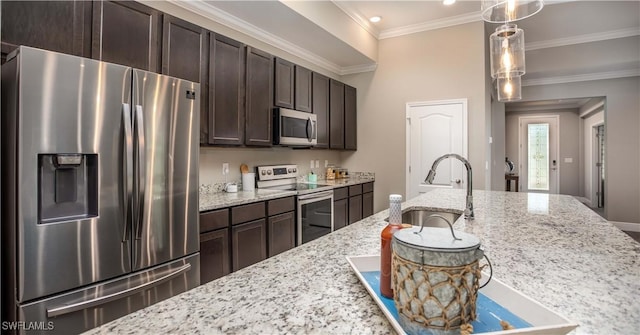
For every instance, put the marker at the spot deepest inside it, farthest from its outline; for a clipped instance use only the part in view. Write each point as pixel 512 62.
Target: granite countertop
pixel 211 198
pixel 549 247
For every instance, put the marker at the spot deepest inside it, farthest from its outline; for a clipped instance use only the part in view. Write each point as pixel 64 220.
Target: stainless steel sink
pixel 417 216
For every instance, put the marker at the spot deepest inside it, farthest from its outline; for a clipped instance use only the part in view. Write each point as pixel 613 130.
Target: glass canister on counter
pixel 330 172
pixel 395 224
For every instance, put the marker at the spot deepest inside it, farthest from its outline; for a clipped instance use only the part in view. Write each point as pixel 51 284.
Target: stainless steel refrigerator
pixel 100 190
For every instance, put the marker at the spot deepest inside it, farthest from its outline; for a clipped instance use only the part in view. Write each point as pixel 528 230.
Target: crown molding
pixel 587 38
pixel 213 13
pixel 357 17
pixel 431 25
pixel 358 69
pixel 582 77
pixel 594 109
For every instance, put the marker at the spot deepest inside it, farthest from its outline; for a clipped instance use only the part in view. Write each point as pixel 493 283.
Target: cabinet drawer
pixel 277 206
pixel 340 193
pixel 355 190
pixel 247 213
pixel 367 187
pixel 214 220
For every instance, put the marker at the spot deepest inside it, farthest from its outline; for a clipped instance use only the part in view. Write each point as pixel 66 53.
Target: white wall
pixel 569 131
pixel 622 118
pixel 433 65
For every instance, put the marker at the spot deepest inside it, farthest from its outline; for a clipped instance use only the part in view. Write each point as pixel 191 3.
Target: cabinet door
pixel 214 255
pixel 281 233
pixel 355 208
pixel 336 114
pixel 320 107
pixel 226 91
pixel 61 26
pixel 303 89
pixel 367 204
pixel 248 243
pixel 259 92
pixel 284 83
pixel 350 118
pixel 185 49
pixel 340 213
pixel 127 33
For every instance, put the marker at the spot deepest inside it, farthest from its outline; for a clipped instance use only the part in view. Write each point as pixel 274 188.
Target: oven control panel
pixel 275 172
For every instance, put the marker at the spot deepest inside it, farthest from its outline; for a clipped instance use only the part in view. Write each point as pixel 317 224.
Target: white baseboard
pixel 583 200
pixel 627 226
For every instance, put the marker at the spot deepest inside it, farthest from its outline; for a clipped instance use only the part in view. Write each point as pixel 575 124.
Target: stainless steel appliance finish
pixel 105 188
pixel 314 201
pixel 294 128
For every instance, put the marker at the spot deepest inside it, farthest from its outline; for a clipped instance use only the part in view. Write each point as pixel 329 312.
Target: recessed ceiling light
pixel 375 19
pixel 448 2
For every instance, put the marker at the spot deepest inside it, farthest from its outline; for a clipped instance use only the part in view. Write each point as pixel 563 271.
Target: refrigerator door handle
pixel 128 168
pixel 66 309
pixel 141 173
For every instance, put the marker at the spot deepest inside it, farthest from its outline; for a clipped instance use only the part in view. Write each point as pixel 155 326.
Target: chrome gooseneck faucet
pixel 468 212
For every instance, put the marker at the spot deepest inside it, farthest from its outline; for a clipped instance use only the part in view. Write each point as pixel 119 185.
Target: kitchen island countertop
pixel 550 247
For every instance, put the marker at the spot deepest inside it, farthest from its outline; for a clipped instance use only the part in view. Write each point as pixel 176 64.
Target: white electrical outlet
pixel 311 164
pixel 326 163
pixel 317 163
pixel 225 168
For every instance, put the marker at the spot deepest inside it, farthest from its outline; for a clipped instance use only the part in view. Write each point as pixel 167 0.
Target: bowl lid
pixel 437 239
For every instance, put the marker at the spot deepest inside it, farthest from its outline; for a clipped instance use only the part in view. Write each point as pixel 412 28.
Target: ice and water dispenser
pixel 67 187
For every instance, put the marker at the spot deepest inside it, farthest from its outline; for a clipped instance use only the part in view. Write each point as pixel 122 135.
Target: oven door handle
pixel 317 196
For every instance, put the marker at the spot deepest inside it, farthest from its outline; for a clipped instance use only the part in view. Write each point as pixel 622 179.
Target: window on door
pixel 538 156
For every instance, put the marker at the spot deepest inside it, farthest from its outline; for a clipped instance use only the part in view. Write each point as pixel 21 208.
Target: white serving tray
pixel 543 320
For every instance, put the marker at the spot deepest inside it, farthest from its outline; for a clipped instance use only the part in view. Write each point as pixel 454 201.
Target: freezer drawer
pixel 95 305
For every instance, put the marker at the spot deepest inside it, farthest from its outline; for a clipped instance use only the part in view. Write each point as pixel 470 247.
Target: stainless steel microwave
pixel 294 128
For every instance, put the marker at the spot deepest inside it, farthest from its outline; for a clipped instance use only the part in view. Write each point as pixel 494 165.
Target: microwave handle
pixel 309 130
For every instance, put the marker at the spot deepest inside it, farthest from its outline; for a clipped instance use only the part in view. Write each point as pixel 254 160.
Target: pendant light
pixel 509 88
pixel 506 45
pixel 499 11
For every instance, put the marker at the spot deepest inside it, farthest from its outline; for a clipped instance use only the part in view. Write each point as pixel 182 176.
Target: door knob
pixel 457 181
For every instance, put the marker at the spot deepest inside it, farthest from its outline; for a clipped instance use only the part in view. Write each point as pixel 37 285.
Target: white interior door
pixel 539 164
pixel 435 128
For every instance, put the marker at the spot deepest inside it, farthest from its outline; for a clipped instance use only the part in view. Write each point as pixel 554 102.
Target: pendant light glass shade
pixel 509 89
pixel 501 11
pixel 506 45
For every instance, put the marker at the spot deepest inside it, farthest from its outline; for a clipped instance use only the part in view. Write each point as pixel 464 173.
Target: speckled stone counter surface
pixel 342 182
pixel 212 197
pixel 551 248
pixel 215 200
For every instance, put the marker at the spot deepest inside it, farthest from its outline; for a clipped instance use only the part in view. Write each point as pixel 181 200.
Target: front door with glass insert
pixel 539 154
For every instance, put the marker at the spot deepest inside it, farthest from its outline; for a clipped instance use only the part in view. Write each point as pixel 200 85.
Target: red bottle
pixel 395 219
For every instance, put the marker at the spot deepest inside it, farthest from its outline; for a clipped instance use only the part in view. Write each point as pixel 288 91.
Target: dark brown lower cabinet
pixel 355 208
pixel 340 213
pixel 367 199
pixel 281 233
pixel 214 255
pixel 248 243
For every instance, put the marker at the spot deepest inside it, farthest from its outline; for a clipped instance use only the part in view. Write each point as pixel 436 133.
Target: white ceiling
pixel 567 41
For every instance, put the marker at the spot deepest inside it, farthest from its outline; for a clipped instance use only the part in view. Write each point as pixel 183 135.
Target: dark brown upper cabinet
pixel 61 26
pixel 284 83
pixel 320 107
pixel 127 33
pixel 226 90
pixel 185 50
pixel 336 114
pixel 350 118
pixel 303 89
pixel 259 90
